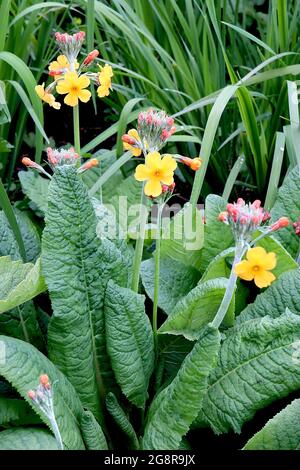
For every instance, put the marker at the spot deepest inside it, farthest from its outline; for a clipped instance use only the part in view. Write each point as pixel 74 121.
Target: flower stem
pixel 76 129
pixel 56 432
pixel 220 315
pixel 138 253
pixel 156 276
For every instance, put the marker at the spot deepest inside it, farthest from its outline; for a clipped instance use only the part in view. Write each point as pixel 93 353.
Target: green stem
pixel 138 253
pixel 239 253
pixel 156 276
pixel 25 332
pixel 76 129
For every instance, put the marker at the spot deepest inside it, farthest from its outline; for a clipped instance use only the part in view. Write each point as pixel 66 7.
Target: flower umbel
pixel 257 267
pixel 70 45
pixel 156 171
pixel 154 128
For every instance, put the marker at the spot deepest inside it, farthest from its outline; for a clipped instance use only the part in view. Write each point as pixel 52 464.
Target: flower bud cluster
pixel 154 128
pixel 62 157
pixel 296 226
pixel 42 396
pixel 70 45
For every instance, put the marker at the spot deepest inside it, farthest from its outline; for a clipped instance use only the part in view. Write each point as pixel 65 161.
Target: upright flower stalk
pixel 156 274
pixel 76 128
pixel 244 219
pixel 138 253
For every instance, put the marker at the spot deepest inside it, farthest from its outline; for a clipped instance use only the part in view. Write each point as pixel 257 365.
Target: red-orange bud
pixel 128 140
pixel 91 57
pixel 280 223
pixel 223 216
pixel 44 379
pixel 31 394
pixel 28 162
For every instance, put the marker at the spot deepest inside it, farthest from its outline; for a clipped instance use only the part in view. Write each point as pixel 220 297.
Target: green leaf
pixel 22 323
pixel 175 281
pixel 15 412
pixel 182 237
pixel 283 293
pixel 21 364
pixel 284 260
pixel 198 308
pixel 174 409
pixel 19 282
pixel 77 267
pixel 217 236
pixel 256 366
pixel 119 416
pixel 280 433
pixel 172 351
pixel 31 239
pixel 287 204
pixel 220 266
pixel 35 188
pixel 130 341
pixel 126 203
pixel 92 433
pixel 27 439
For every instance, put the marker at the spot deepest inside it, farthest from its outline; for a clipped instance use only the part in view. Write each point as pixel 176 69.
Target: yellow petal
pixel 168 163
pixel 134 134
pixel 62 61
pixel 71 100
pixel 71 76
pixel 167 179
pixel 153 160
pixel 63 87
pixel 264 278
pixel 153 188
pixel 84 95
pixel 141 172
pixel 102 91
pixel 40 91
pixel 243 270
pixel 269 261
pixel 56 105
pixel 135 151
pixel 83 81
pixel 255 255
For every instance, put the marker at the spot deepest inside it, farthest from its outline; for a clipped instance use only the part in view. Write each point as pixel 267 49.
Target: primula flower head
pixel 60 66
pixel 154 128
pixel 257 267
pixel 74 87
pixel 62 157
pixel 156 171
pixel 132 142
pixel 70 45
pixel 46 96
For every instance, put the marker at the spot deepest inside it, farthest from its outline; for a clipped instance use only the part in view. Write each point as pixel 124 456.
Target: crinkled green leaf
pixel 183 236
pixel 198 308
pixel 130 341
pixel 19 282
pixel 175 281
pixel 280 433
pixel 174 409
pixel 21 322
pixel 217 236
pixel 77 267
pixel 21 364
pixel 27 439
pixel 30 236
pixel 125 199
pixel 172 351
pixel 256 366
pixel 288 204
pixel 220 266
pixel 35 187
pixel 92 433
pixel 119 416
pixel 15 412
pixel 283 293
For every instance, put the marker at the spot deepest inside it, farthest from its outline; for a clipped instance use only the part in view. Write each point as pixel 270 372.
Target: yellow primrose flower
pixel 47 97
pixel 156 171
pixel 257 267
pixel 60 64
pixel 136 152
pixel 73 86
pixel 104 77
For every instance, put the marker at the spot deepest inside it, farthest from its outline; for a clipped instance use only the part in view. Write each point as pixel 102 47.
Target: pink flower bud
pixel 255 220
pixel 240 201
pixel 31 394
pixel 29 163
pixel 266 216
pixel 164 188
pixel 91 57
pixel 223 216
pixel 256 204
pixel 170 121
pixel 44 379
pixel 128 140
pixel 165 134
pixel 243 220
pixel 280 223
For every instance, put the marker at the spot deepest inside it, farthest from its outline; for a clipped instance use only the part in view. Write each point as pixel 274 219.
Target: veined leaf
pixel 19 282
pixel 21 365
pixel 217 236
pixel 130 341
pixel 77 267
pixel 35 188
pixel 172 351
pixel 119 416
pixel 15 412
pixel 27 439
pixel 92 433
pixel 256 366
pixel 282 294
pixel 280 433
pixel 198 308
pixel 182 237
pixel 219 266
pixel 287 204
pixel 175 281
pixel 174 409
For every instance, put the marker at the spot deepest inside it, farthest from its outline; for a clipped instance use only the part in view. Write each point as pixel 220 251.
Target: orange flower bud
pixel 196 163
pixel 31 394
pixel 28 162
pixel 44 379
pixel 91 57
pixel 128 140
pixel 280 223
pixel 88 165
pixel 223 216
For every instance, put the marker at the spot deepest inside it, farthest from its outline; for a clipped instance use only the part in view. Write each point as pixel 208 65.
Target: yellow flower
pixel 60 65
pixel 73 86
pixel 47 97
pixel 136 152
pixel 257 267
pixel 104 77
pixel 156 171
